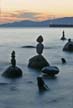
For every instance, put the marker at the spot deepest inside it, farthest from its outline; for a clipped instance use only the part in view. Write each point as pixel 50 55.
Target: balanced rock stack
pixel 38 61
pixel 63 36
pixel 12 71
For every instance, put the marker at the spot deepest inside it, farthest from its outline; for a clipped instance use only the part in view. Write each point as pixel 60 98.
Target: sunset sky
pixel 16 10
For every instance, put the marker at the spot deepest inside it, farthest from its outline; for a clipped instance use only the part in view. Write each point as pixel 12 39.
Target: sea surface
pixel 23 92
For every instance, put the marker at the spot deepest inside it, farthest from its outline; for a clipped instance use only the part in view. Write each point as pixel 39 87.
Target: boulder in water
pixel 50 70
pixel 38 62
pixel 41 84
pixel 12 72
pixel 68 46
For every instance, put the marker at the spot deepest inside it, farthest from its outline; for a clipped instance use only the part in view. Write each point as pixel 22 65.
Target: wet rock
pixel 41 84
pixel 63 36
pixel 38 62
pixel 50 70
pixel 40 39
pixel 39 48
pixel 12 71
pixel 28 46
pixel 63 60
pixel 68 46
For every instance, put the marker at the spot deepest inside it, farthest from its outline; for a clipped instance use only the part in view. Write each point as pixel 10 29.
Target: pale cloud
pixel 33 15
pixel 30 15
pixel 23 15
pixel 16 10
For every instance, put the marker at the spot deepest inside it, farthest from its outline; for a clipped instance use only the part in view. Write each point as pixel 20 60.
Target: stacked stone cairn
pixel 38 61
pixel 12 71
pixel 63 36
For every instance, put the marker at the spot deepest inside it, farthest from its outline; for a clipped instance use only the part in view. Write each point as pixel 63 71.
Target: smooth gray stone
pixel 50 70
pixel 39 48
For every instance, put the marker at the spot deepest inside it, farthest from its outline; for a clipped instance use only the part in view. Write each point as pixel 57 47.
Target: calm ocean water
pixel 23 92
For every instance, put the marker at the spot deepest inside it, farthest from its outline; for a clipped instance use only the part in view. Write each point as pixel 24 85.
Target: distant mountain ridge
pixel 27 23
pixel 46 23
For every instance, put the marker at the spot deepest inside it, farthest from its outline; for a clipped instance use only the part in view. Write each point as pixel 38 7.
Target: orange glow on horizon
pixel 34 9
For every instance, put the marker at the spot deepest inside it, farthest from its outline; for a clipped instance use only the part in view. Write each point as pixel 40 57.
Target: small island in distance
pixel 62 22
pixel 60 25
pixel 57 22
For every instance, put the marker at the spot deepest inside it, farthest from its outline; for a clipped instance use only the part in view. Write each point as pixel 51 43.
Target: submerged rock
pixel 68 46
pixel 12 71
pixel 28 46
pixel 50 70
pixel 38 62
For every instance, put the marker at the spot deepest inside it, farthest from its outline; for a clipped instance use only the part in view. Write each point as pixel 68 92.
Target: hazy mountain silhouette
pixel 46 23
pixel 27 23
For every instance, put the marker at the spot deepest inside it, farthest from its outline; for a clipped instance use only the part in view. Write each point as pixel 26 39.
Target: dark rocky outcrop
pixel 68 46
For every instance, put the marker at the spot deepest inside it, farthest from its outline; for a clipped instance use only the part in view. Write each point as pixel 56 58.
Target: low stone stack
pixel 12 71
pixel 63 36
